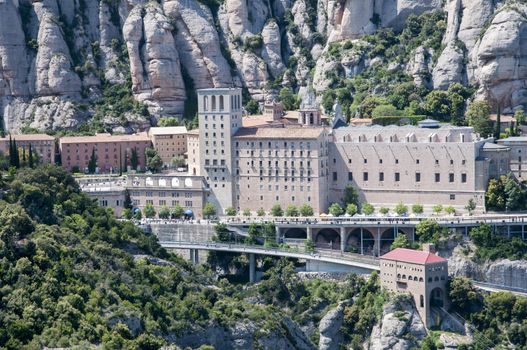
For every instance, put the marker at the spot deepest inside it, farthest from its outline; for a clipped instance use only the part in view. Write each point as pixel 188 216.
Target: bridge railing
pixel 499 286
pixel 238 246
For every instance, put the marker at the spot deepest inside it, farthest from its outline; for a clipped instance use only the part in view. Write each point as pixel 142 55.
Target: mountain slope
pixel 58 57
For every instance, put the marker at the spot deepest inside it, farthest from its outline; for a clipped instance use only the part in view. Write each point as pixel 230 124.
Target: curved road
pixel 347 259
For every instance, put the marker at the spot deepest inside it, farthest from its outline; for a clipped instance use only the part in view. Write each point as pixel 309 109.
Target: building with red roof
pixel 421 273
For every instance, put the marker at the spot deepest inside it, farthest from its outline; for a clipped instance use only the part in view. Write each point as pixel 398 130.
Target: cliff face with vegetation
pixel 119 62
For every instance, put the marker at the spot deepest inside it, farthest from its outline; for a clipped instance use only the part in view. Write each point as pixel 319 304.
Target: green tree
pixel 290 101
pixel 401 209
pixel 478 116
pixel 127 203
pixel 351 209
pixel 230 211
pixel 276 210
pixel 401 241
pixel 417 209
pixel 149 211
pixel 515 194
pixel 138 215
pixel 428 231
pixel 92 164
pixel 309 246
pixel 222 233
pixel 178 162
pixel 471 206
pixel 252 107
pixel 384 210
pixel 291 210
pixel 437 209
pixel 462 294
pixel 260 212
pixel 335 209
pixel 495 197
pixel 497 127
pixel 519 115
pixel 31 160
pixel 177 211
pixel 134 159
pixel 367 209
pixel 247 212
pixel 437 104
pixel 306 210
pixel 164 213
pixel 450 210
pixel 154 162
pixel 350 196
pixel 253 234
pixel 209 210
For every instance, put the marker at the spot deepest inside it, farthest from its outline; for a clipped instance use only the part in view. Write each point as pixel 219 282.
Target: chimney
pixel 429 247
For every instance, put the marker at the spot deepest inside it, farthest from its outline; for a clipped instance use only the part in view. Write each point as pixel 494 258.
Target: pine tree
pixel 31 161
pixel 92 164
pixel 16 156
pixel 127 200
pixel 134 160
pixel 11 152
pixel 24 156
pixel 497 131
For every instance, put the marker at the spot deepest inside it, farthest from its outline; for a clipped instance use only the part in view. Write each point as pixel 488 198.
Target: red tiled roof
pixel 412 256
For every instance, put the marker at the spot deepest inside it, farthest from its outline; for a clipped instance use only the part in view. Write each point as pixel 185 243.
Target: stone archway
pixel 437 297
pixel 295 233
pixel 386 240
pixel 328 238
pixel 353 242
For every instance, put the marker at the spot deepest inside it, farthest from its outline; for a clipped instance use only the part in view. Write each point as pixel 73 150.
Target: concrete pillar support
pixel 192 256
pixel 378 241
pixel 361 241
pixel 277 232
pixel 309 233
pixel 196 256
pixel 342 239
pixel 252 268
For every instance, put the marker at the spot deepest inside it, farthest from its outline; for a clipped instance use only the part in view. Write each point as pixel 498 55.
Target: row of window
pixel 161 194
pixel 396 161
pixel 397 177
pixel 276 154
pixel 277 198
pixel 161 202
pixel 278 144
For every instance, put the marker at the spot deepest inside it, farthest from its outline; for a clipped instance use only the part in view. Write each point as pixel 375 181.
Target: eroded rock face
pixel 329 328
pixel 56 56
pixel 400 328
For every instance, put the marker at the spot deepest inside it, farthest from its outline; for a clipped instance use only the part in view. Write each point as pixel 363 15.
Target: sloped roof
pixel 292 132
pixel 412 256
pixel 168 130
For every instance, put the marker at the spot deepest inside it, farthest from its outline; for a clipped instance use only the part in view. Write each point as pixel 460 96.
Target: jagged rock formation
pixel 329 327
pixel 57 56
pixel 501 272
pixel 400 328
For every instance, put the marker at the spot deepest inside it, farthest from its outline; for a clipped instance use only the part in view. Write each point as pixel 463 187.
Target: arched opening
pixel 295 233
pixel 437 297
pixel 328 239
pixel 387 238
pixel 421 301
pixel 205 103
pixel 354 239
pixel 221 103
pixel 311 119
pixel 213 103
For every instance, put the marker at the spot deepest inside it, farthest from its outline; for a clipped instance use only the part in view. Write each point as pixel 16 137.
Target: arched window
pixel 404 277
pixel 398 275
pixel 205 103
pixel 221 103
pixel 232 102
pixel 213 103
pixel 415 278
pixel 429 279
pixel 436 279
pixel 421 301
pixel 420 279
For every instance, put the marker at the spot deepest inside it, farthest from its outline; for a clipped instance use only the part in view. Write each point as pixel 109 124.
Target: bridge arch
pixel 353 242
pixel 328 238
pixel 388 236
pixel 296 233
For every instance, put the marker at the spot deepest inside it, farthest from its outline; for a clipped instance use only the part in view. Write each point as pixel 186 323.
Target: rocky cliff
pixel 58 57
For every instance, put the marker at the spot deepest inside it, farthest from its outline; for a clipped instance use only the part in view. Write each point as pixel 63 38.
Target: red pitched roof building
pixel 423 274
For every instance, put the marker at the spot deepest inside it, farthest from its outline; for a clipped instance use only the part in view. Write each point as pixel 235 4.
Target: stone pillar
pixel 192 256
pixel 361 241
pixel 378 241
pixel 508 231
pixel 196 256
pixel 277 232
pixel 252 268
pixel 309 234
pixel 342 239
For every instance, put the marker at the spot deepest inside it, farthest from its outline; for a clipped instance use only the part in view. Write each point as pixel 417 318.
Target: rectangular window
pixel 437 177
pixel 452 197
pixel 417 177
pixel 451 177
pixel 365 176
pixel 463 178
pixel 381 176
pixel 334 176
pixel 350 176
pixel 397 177
pixel 365 161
